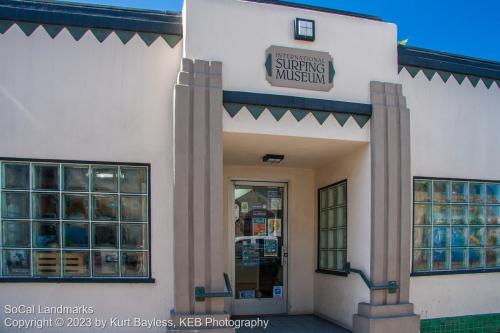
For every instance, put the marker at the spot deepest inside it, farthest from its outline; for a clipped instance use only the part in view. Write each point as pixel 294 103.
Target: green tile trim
pixel 125 36
pixel 277 112
pixel 77 32
pixel 320 116
pixel 429 74
pixel 331 71
pixel 27 27
pixel 256 110
pixel 5 25
pixel 464 324
pixel 299 114
pixel 100 34
pixel 269 65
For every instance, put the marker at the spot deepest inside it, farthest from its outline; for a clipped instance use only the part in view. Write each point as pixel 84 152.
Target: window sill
pixel 76 280
pixel 325 271
pixel 469 271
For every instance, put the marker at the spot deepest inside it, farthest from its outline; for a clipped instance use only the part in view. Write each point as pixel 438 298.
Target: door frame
pixel 259 303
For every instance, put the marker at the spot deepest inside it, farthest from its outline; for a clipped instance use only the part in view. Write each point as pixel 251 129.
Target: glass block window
pixel 455 225
pixel 304 29
pixel 332 235
pixel 73 220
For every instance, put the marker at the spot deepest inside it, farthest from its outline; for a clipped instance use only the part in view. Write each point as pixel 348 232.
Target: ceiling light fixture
pixel 273 158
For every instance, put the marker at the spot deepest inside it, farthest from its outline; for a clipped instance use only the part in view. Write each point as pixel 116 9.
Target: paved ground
pixel 296 324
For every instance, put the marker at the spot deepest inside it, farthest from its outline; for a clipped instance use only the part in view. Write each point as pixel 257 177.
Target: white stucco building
pixel 298 149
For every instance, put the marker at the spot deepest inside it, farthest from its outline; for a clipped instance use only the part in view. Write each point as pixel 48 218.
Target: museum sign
pixel 298 68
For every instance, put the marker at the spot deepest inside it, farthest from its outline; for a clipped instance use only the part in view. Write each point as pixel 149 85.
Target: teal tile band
pixel 278 112
pixel 100 34
pixel 486 323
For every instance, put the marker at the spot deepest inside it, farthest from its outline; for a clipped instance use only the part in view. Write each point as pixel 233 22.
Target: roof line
pixel 317 8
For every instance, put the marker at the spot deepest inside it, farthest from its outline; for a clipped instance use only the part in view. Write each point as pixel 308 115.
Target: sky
pixel 467 27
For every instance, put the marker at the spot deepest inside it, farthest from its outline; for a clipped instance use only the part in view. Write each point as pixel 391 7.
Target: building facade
pixel 282 158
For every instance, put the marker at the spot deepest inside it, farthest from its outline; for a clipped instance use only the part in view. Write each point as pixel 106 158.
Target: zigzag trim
pixel 429 74
pixel 100 34
pixel 256 110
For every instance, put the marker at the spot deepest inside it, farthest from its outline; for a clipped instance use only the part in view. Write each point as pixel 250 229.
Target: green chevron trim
pixel 331 71
pixel 429 74
pixel 278 112
pixel 27 27
pixel 100 34
pixel 269 65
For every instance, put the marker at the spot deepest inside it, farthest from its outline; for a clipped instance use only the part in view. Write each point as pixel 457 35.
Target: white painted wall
pixel 85 100
pixel 238 33
pixel 337 297
pixel 454 134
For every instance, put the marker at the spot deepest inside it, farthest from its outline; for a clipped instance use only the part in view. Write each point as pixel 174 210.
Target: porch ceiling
pixel 300 152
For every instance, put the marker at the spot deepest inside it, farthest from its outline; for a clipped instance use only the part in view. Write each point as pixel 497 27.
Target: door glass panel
pixel 259 223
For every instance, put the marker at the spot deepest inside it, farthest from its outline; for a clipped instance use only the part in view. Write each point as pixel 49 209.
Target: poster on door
pixel 250 255
pixel 274 200
pixel 259 226
pixel 271 247
pixel 274 227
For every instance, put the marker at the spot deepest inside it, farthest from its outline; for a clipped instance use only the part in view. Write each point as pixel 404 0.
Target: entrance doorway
pixel 259 247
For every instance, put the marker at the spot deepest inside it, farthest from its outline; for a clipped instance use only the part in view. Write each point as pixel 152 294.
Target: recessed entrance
pixel 259 242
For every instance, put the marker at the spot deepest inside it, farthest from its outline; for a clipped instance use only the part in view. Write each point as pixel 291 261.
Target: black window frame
pixel 343 272
pixel 450 271
pixel 298 36
pixel 149 279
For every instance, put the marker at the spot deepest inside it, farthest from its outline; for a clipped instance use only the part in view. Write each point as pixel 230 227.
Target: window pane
pixel 331 259
pixel 15 205
pixel 422 214
pixel 459 214
pixel 331 218
pixel 331 197
pixel 76 207
pixel 341 216
pixel 493 193
pixel 421 260
pixel 331 239
pixel 423 190
pixel 16 176
pixel 134 236
pixel 341 238
pixel 76 263
pixel 105 207
pixel 441 214
pixel 476 258
pixel 133 180
pixel 46 234
pixel 441 236
pixel 459 192
pixel 441 191
pixel 341 259
pixel 16 233
pixel 476 236
pixel 476 214
pixel 46 177
pixel 76 235
pixel 47 263
pixel 134 208
pixel 323 198
pixel 458 237
pixel 105 263
pixel 45 205
pixel 105 179
pixel 493 257
pixel 458 259
pixel 493 214
pixel 476 192
pixel 323 220
pixel 341 195
pixel 440 259
pixel 493 236
pixel 323 239
pixel 323 259
pixel 76 178
pixel 16 262
pixel 422 237
pixel 105 235
pixel 134 264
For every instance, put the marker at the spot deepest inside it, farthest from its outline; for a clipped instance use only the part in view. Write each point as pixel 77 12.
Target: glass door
pixel 259 252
